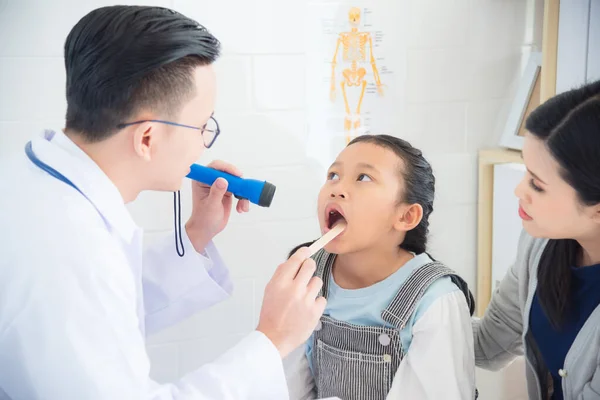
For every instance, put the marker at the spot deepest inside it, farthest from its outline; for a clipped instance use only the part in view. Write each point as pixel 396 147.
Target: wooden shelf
pixel 485 206
pixel 549 49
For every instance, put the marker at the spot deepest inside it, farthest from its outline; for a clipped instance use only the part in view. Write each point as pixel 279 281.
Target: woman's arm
pixel 591 390
pixel 498 335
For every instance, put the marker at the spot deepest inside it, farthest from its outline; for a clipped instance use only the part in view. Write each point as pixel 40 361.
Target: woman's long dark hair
pixel 419 186
pixel 569 124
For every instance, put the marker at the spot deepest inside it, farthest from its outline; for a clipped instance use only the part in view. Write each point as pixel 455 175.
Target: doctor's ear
pixel 143 140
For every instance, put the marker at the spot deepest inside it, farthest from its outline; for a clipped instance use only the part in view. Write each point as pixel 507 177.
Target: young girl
pixel 397 323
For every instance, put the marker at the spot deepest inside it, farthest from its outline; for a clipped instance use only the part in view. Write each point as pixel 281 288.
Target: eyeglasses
pixel 210 131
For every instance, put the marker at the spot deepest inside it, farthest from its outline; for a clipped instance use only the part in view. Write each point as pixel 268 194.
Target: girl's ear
pixel 409 216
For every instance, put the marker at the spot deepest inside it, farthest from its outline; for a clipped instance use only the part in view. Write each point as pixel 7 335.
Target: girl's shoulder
pixel 437 291
pixel 444 284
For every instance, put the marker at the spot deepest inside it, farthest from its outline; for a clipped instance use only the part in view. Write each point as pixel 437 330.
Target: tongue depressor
pixel 326 238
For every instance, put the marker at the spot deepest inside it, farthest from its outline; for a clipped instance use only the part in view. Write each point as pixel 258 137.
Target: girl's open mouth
pixel 334 215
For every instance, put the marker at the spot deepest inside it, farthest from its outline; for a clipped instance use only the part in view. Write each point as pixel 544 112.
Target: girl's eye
pixel 332 176
pixel 535 187
pixel 364 178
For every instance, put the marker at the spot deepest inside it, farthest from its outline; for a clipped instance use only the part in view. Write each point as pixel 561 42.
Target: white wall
pixel 462 63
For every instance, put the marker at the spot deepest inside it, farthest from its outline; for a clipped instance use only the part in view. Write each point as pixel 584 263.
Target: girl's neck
pixel 366 268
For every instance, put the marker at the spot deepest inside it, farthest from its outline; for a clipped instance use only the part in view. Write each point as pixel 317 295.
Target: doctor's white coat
pixel 78 295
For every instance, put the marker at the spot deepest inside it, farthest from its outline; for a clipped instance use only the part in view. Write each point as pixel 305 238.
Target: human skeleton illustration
pixel 354 51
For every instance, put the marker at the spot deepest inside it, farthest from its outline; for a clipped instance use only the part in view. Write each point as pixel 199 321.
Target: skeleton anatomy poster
pixel 356 62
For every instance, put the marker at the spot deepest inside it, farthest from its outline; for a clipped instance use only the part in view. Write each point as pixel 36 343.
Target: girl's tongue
pixel 334 218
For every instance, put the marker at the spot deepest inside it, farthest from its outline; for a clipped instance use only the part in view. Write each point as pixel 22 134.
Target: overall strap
pixel 464 287
pixel 410 293
pixel 324 262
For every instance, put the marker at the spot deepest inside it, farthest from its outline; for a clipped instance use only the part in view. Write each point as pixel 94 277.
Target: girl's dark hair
pixel 120 59
pixel 419 186
pixel 569 125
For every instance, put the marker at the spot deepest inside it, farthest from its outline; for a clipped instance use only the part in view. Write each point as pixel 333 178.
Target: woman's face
pixel 548 205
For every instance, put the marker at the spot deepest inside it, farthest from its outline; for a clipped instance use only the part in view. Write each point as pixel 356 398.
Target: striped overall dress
pixel 356 362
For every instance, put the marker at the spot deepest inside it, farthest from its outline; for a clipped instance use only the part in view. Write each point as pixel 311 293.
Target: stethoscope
pixel 45 167
pixel 54 173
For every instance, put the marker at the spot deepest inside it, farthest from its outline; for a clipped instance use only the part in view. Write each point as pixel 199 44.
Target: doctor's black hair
pixel 419 186
pixel 123 59
pixel 569 126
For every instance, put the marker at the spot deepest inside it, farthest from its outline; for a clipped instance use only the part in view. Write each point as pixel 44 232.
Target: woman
pixel 547 306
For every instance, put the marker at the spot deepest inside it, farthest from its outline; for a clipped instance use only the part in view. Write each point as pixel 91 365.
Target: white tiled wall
pixel 463 60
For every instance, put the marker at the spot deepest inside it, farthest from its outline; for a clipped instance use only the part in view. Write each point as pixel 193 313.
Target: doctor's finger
pixel 218 190
pixel 289 269
pixel 243 206
pixel 320 305
pixel 225 167
pixel 306 272
pixel 314 286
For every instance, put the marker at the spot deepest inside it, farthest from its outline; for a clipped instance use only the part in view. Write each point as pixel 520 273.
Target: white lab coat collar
pixel 61 153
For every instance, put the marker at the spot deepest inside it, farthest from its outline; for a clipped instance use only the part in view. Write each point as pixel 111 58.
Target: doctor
pixel 77 294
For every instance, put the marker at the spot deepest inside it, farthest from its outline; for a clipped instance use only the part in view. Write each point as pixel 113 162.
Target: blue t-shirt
pixel 555 344
pixel 364 306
